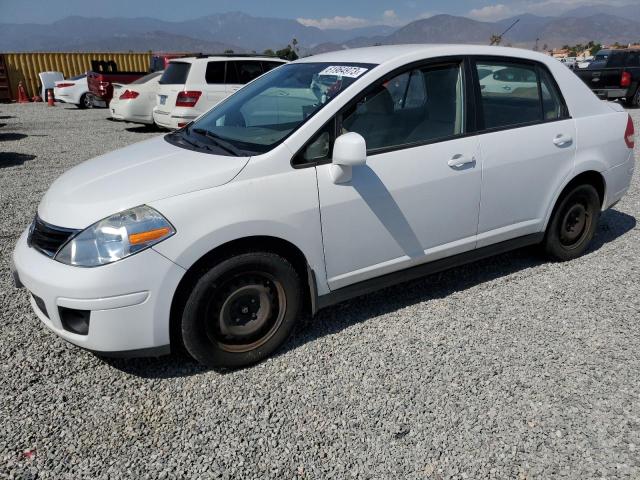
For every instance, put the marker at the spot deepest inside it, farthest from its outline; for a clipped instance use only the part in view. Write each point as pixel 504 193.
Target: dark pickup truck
pixel 617 77
pixel 102 77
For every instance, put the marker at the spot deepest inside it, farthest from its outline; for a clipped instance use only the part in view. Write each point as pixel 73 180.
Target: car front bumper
pixel 128 301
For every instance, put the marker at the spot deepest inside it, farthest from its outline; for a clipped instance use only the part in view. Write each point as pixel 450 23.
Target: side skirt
pixel 374 284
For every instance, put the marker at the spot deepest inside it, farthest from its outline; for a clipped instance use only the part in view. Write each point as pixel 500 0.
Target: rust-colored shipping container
pixel 26 66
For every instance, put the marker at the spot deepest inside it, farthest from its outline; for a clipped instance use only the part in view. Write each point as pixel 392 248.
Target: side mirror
pixel 349 150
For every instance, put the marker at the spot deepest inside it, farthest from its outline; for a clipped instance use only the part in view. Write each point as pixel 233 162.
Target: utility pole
pixel 497 39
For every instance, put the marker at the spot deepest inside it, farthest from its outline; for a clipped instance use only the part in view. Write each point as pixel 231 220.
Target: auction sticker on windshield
pixel 344 71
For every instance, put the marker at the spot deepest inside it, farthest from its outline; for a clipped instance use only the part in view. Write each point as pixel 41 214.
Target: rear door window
pixel 240 72
pixel 510 95
pixel 552 104
pixel 517 94
pixel 215 72
pixel 175 74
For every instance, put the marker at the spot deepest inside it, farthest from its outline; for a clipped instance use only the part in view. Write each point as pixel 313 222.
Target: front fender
pixel 283 206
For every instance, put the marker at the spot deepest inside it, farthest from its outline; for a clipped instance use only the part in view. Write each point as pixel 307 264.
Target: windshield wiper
pixel 219 142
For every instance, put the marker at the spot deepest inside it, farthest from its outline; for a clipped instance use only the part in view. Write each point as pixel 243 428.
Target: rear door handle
pixel 562 140
pixel 459 160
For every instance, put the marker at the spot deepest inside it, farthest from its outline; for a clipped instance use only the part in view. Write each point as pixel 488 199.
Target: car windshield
pixel 268 110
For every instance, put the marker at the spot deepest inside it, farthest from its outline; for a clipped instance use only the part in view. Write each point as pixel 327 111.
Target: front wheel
pixel 241 310
pixel 573 223
pixel 86 101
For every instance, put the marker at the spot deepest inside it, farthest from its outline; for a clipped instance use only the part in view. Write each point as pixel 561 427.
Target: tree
pixel 595 49
pixel 229 51
pixel 269 52
pixel 287 53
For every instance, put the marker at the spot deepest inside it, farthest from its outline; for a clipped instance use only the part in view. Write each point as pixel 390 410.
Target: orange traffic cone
pixel 50 98
pixel 22 94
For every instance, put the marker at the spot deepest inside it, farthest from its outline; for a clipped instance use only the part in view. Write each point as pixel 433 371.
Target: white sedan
pixel 134 102
pixel 74 90
pixel 323 179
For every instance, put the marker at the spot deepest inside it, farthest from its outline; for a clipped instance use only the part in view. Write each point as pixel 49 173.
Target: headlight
pixel 116 237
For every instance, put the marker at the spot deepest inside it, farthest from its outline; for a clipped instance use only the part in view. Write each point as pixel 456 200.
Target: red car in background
pixel 104 74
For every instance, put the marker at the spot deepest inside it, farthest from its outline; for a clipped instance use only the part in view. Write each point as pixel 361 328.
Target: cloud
pixel 342 23
pixel 491 12
pixel 499 11
pixel 389 15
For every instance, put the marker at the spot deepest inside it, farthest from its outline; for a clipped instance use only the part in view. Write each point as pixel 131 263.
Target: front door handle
pixel 459 161
pixel 562 140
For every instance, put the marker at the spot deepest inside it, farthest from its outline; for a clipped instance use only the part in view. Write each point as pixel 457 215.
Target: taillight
pixel 64 85
pixel 625 81
pixel 187 99
pixel 629 134
pixel 129 95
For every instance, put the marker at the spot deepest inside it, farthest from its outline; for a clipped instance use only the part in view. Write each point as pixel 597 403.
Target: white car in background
pixel 505 79
pixel 134 102
pixel 190 86
pixel 73 90
pixel 325 179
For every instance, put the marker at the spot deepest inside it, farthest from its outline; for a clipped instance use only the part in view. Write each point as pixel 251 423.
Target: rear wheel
pixel 634 100
pixel 573 223
pixel 241 310
pixel 85 101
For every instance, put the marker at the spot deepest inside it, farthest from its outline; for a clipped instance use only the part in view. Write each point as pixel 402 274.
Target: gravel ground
pixel 507 368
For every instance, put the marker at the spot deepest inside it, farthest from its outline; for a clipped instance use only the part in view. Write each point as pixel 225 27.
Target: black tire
pixel 85 101
pixel 634 100
pixel 573 223
pixel 241 310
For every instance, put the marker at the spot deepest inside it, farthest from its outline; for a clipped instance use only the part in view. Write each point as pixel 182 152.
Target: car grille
pixel 46 238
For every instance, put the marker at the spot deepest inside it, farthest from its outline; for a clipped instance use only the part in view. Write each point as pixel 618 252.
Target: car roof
pixel 223 58
pixel 386 53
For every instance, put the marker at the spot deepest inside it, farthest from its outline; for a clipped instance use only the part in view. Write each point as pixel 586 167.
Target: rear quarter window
pixel 215 72
pixel 518 94
pixel 175 74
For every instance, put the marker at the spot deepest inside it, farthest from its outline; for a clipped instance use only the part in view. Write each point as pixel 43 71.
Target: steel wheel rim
pixel 245 311
pixel 575 224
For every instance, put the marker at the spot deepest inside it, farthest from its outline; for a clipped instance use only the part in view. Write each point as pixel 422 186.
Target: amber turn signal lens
pixel 143 237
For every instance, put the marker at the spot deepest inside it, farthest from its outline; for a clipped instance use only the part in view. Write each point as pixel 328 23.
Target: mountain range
pixel 244 33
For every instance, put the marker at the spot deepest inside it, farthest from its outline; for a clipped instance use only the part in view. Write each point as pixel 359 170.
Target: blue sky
pixel 321 13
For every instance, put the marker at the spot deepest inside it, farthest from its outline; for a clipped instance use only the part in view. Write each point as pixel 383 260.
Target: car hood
pixel 138 174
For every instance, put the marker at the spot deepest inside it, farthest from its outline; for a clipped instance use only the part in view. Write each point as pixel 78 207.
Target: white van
pixel 191 86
